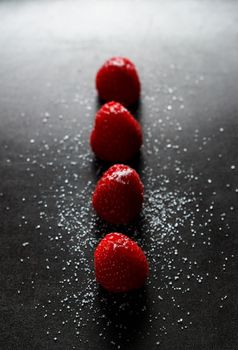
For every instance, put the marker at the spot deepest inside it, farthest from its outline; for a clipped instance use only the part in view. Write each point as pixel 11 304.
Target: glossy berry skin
pixel 118 196
pixel 120 264
pixel 117 136
pixel 118 80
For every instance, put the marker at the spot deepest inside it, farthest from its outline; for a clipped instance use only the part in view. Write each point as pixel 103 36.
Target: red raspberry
pixel 118 80
pixel 116 136
pixel 120 264
pixel 118 196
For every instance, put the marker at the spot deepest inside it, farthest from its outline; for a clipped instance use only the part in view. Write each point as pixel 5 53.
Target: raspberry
pixel 116 136
pixel 118 80
pixel 118 196
pixel 120 264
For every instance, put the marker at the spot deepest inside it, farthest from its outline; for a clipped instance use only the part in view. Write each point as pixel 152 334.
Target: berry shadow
pixel 135 230
pixel 136 109
pixel 125 317
pixel 99 166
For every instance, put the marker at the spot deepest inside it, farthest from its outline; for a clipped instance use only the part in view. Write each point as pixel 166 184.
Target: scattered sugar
pixel 175 224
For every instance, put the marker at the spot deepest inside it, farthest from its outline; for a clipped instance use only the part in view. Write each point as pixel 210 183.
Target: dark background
pixel 186 53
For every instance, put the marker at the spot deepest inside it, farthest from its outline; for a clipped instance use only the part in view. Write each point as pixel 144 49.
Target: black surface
pixel 186 53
